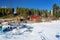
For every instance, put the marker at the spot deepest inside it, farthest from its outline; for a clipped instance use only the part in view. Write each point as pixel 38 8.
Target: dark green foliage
pixel 25 12
pixel 56 10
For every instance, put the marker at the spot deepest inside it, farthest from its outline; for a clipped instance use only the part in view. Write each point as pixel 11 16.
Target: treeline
pixel 25 12
pixel 56 11
pixel 6 11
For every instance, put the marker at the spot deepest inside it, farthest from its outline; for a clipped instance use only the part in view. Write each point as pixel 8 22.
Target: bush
pixel 5 16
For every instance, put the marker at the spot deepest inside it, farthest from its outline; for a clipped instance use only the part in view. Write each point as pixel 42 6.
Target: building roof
pixel 34 16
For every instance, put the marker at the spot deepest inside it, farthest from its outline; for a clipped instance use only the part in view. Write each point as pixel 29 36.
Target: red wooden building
pixel 35 18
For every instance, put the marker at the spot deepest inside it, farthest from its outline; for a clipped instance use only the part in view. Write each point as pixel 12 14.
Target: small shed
pixel 35 18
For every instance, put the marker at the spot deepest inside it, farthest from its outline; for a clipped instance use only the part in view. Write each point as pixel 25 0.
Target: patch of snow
pixel 40 31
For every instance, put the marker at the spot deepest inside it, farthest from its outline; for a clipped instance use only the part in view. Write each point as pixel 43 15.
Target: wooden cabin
pixel 35 18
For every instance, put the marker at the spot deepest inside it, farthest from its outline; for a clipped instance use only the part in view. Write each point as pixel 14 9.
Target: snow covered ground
pixel 40 31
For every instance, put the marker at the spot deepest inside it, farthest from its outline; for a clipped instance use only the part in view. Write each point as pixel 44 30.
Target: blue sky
pixel 40 4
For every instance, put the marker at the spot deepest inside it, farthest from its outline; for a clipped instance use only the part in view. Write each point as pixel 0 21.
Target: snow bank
pixel 40 31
